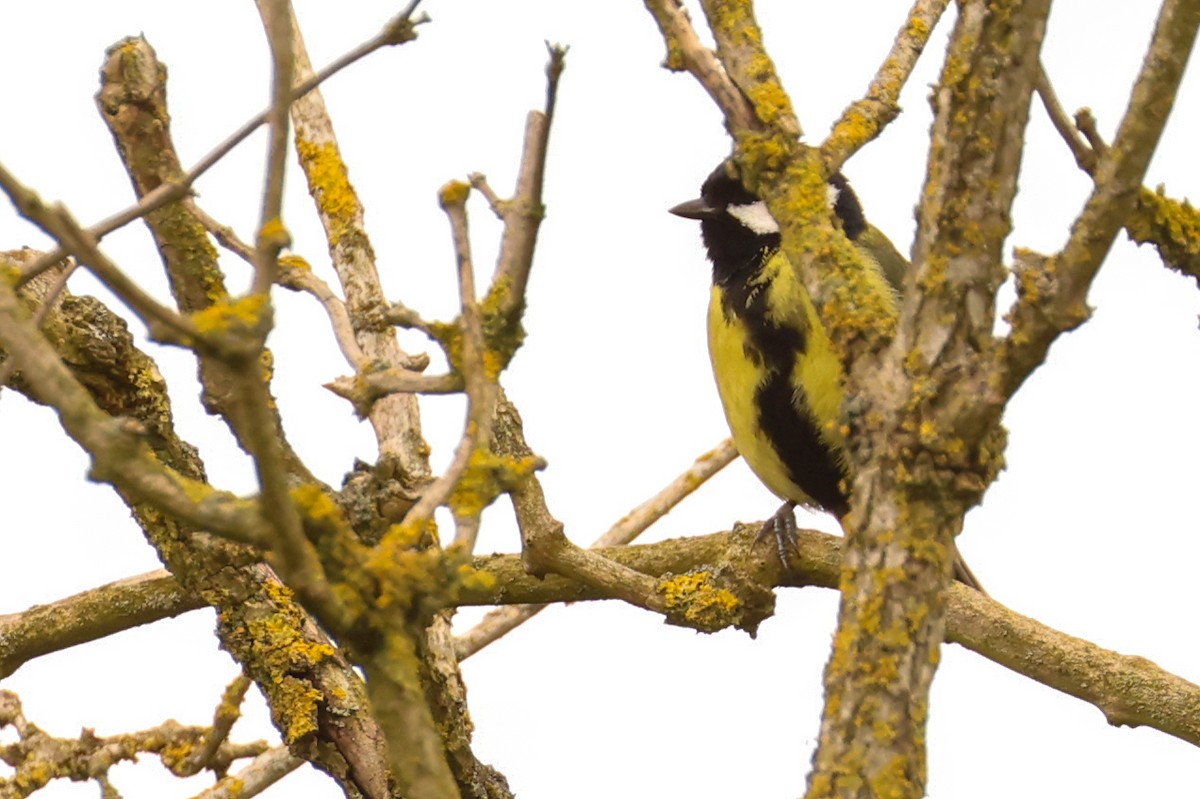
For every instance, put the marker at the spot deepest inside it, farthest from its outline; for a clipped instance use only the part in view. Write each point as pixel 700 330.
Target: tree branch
pixel 317 700
pixel 90 616
pixel 395 418
pixel 1128 689
pixel 38 758
pixel 502 621
pixel 272 234
pixel 119 455
pixel 163 324
pixel 1173 227
pixel 864 119
pixel 1055 301
pixel 263 772
pixel 398 30
pixel 685 52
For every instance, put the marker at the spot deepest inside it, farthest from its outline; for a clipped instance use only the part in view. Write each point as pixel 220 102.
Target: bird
pixel 780 379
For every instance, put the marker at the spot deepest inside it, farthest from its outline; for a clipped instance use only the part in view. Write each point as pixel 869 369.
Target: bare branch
pixel 297 275
pixel 740 49
pixel 1173 227
pixel 272 235
pixel 224 234
pixel 1129 690
pixel 501 621
pixel 40 758
pixel 1037 320
pixel 363 390
pixel 228 711
pixel 265 770
pixel 90 616
pixel 523 213
pixel 863 120
pixel 1085 157
pixel 164 324
pixel 395 418
pixel 686 52
pixel 398 30
pixel 119 455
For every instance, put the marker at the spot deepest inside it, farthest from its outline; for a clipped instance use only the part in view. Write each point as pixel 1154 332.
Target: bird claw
pixel 783 527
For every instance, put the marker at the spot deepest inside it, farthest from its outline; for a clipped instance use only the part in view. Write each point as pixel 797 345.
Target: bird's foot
pixel 783 527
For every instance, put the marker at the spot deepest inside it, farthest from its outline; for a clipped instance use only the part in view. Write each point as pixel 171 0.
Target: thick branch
pixel 133 103
pixel 1128 689
pixel 933 451
pixel 395 418
pixel 317 700
pixel 90 616
pixel 686 52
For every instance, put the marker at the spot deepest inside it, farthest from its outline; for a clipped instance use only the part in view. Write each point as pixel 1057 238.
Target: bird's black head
pixel 737 228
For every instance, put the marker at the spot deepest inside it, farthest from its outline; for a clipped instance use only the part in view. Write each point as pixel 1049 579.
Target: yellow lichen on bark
pixel 330 187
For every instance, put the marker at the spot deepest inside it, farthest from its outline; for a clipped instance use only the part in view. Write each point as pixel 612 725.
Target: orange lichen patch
pixel 226 315
pixel 697 600
pixel 487 476
pixel 329 184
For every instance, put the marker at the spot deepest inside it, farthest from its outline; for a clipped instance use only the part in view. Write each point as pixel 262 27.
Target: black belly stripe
pixel 810 462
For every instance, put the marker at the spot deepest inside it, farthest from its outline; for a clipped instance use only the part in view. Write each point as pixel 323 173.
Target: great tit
pixel 780 379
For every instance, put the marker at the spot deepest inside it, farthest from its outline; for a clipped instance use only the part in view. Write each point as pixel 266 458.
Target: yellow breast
pixel 741 372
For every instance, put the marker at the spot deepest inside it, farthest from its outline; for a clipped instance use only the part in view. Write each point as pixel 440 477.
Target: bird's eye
pixel 755 216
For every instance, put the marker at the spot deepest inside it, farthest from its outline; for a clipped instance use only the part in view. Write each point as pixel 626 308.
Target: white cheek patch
pixel 832 193
pixel 755 216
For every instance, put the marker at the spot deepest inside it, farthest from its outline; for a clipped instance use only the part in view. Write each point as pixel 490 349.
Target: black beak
pixel 694 209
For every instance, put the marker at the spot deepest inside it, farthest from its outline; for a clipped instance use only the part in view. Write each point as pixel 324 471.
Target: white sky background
pixel 1091 529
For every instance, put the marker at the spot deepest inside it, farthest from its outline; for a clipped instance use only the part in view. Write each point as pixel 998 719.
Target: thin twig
pixel 224 717
pixel 479 386
pixel 224 234
pixel 478 383
pixel 1085 156
pixel 297 275
pixel 294 274
pixel 398 30
pixel 272 235
pixel 363 389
